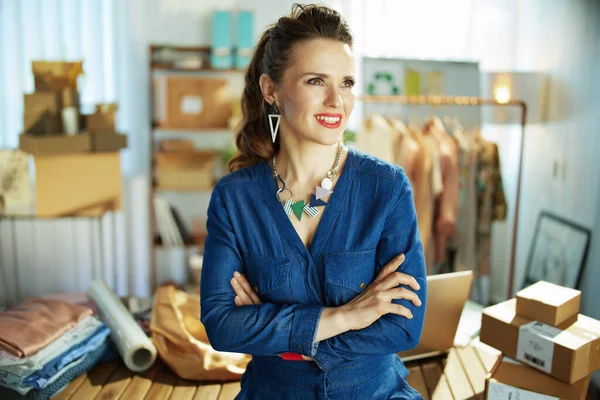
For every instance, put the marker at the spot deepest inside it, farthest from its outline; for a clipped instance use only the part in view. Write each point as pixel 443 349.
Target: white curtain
pixel 102 34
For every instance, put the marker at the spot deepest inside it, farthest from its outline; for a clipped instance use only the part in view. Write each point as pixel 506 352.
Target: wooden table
pixel 461 375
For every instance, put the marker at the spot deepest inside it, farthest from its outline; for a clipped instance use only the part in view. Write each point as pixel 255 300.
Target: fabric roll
pixel 133 344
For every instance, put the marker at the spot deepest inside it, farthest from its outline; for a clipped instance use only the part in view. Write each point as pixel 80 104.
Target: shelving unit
pixel 203 138
pixel 214 138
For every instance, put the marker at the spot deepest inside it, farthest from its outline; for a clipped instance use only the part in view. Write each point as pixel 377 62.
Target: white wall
pixel 562 39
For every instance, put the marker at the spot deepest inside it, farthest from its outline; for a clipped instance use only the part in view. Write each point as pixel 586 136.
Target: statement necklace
pixel 298 207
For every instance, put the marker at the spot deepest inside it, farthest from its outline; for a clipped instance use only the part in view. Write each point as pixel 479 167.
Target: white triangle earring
pixel 274 122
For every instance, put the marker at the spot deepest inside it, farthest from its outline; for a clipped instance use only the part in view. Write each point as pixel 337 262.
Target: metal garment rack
pixel 472 102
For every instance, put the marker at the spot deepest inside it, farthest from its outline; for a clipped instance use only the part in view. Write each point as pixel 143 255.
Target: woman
pixel 307 238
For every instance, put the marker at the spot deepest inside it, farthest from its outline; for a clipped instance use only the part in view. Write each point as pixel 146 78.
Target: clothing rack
pixel 471 101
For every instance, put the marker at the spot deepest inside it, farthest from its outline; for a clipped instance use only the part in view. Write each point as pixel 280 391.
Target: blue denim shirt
pixel 370 218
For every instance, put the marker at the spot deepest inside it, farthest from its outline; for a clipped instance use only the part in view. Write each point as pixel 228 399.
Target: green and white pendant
pixel 316 199
pixel 298 208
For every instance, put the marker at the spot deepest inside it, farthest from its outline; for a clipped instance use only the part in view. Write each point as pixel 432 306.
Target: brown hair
pixel 273 54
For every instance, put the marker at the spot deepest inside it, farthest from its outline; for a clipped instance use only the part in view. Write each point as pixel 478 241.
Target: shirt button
pixel 362 285
pixel 256 289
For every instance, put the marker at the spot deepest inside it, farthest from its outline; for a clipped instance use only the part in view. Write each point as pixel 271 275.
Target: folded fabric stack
pixel 45 344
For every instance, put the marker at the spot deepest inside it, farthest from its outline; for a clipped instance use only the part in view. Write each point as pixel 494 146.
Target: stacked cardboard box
pixel 52 124
pixel 543 329
pixel 185 169
pixel 76 158
pixel 101 129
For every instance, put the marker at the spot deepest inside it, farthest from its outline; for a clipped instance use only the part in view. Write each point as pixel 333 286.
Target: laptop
pixel 446 297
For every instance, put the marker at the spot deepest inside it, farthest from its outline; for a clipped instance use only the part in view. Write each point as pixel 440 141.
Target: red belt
pixel 292 357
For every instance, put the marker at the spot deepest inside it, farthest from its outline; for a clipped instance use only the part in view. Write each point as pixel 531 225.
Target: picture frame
pixel 558 251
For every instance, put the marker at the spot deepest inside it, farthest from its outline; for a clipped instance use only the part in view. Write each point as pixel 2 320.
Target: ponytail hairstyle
pixel 272 56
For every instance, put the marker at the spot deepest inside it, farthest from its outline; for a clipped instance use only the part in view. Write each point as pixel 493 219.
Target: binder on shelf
pixel 244 39
pixel 221 56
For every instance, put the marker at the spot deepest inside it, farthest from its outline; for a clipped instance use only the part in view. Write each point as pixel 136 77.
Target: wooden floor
pixel 459 376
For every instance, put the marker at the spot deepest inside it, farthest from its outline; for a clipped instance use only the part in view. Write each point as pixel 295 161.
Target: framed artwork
pixel 558 251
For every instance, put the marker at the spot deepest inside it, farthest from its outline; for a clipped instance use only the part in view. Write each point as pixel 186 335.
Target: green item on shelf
pixel 388 79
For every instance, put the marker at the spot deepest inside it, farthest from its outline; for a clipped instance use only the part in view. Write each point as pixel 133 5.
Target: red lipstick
pixel 331 121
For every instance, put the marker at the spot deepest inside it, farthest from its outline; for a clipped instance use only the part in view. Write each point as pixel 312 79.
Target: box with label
pixel 549 303
pixel 183 102
pixel 569 355
pixel 54 144
pixel 509 379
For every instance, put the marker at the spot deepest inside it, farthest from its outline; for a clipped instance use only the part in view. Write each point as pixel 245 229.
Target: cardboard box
pixel 184 179
pixel 54 144
pixel 100 122
pixel 40 102
pixel 70 98
pixel 176 145
pixel 510 379
pixel 73 183
pixel 186 159
pixel 42 124
pixel 549 303
pixel 195 103
pixel 107 141
pixel 569 355
pixel 56 75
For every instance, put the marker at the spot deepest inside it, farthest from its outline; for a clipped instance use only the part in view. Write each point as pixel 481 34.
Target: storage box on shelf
pixel 190 98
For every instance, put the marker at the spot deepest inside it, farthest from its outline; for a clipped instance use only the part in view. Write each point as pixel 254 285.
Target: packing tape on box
pixel 135 347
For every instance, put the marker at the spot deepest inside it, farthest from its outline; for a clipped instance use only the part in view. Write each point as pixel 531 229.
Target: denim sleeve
pixel 264 329
pixel 391 333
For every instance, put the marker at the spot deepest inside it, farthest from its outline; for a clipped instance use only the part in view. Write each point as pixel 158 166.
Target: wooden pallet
pixel 459 376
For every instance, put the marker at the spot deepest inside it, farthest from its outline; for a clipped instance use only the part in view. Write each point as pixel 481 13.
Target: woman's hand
pixel 245 295
pixel 376 300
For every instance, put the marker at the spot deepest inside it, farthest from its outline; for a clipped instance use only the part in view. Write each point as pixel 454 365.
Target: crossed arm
pixel 269 329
